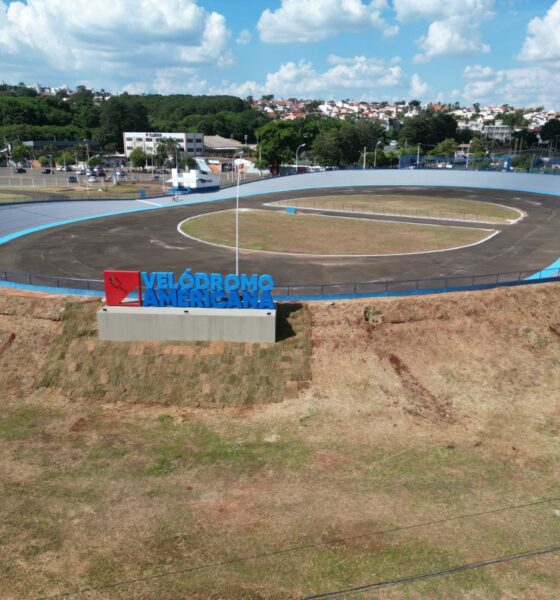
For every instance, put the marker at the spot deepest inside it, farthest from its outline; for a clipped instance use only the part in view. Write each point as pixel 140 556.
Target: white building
pixel 191 144
pixel 499 131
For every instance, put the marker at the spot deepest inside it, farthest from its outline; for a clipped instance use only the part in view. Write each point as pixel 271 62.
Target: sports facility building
pixel 187 143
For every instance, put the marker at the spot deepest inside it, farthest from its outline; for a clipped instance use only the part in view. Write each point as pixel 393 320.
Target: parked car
pixel 80 171
pixel 100 173
pixel 19 170
pixel 46 171
pixel 72 179
pixel 92 179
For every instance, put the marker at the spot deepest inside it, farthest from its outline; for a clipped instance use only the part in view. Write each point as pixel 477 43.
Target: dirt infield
pixel 273 231
pixel 423 207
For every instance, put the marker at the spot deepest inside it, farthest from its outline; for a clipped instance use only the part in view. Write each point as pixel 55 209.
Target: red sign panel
pixel 119 285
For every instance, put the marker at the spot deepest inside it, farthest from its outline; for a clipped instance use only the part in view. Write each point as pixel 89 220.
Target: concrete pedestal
pixel 128 324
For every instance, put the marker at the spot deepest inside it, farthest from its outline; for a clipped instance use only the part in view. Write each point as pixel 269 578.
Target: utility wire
pixel 429 574
pixel 293 549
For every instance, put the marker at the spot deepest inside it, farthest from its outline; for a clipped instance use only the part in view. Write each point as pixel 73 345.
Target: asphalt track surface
pixel 150 241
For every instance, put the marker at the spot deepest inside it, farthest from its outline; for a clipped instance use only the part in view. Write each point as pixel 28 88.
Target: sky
pixel 487 51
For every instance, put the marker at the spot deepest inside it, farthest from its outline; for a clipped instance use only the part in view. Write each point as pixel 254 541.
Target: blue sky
pixel 490 51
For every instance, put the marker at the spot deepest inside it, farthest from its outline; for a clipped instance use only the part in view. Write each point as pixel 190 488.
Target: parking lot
pixel 34 178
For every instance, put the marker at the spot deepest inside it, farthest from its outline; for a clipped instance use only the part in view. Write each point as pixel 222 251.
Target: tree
pixel 515 119
pixel 138 158
pixel 66 158
pixel 428 128
pixel 278 141
pixel 168 149
pixel 445 148
pixel 44 161
pixel 19 153
pixel 95 161
pixel 550 129
pixel 121 114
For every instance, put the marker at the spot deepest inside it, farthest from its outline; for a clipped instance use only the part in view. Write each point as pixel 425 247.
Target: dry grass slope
pixel 417 409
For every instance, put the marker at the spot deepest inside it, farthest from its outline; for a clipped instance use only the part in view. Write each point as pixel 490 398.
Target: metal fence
pixel 334 291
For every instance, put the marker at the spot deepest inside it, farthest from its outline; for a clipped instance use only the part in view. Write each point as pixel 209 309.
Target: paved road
pixel 149 240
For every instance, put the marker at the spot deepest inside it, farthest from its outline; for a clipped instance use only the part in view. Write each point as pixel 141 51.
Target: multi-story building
pixel 499 131
pixel 191 144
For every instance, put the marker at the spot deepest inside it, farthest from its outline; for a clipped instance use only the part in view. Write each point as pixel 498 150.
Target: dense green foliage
pixel 27 116
pixel 551 129
pixel 429 128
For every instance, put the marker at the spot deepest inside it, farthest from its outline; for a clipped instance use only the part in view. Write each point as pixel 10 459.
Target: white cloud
pixel 543 36
pixel 244 37
pixel 527 86
pixel 121 40
pixel 454 27
pixel 408 10
pixel 314 20
pixel 477 72
pixel 301 79
pixel 418 88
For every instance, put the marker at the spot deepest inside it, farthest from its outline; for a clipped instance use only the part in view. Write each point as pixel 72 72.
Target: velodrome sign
pixel 162 306
pixel 197 290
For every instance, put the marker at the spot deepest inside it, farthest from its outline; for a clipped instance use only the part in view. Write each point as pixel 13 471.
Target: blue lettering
pixel 216 281
pixel 148 279
pixel 171 282
pixel 218 299
pixel 266 301
pixel 234 301
pixel 197 299
pixel 249 284
pixel 266 282
pixel 202 281
pixel 250 299
pixel 161 280
pixel 183 298
pixel 231 282
pixel 150 298
pixel 168 297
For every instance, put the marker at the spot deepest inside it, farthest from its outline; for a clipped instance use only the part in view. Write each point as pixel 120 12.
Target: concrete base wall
pixel 123 324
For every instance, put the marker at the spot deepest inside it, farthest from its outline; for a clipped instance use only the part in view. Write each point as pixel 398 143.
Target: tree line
pixel 24 115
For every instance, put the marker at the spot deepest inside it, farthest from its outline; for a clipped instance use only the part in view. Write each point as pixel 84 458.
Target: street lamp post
pixel 375 154
pixel 297 151
pixel 418 157
pixel 468 154
pixel 365 152
pixel 237 218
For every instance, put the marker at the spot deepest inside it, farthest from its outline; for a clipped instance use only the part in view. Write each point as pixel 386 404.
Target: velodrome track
pixel 144 235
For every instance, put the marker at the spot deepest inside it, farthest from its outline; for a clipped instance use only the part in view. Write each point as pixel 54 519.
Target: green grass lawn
pixel 413 206
pixel 13 197
pixel 313 234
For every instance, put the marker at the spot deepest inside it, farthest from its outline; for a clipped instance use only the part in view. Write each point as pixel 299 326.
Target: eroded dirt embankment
pixel 434 357
pixel 443 357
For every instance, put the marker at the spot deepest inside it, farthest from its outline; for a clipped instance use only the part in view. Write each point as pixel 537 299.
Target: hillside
pixel 372 423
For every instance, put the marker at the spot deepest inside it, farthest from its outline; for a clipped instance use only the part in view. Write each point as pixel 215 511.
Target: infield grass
pixel 411 206
pixel 316 234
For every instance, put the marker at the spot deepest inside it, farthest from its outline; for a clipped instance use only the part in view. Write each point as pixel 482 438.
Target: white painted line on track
pixel 491 234
pixel 148 202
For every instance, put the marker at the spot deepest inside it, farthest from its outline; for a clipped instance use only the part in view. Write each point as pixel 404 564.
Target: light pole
pixel 297 151
pixel 237 218
pixel 375 154
pixel 365 152
pixel 418 157
pixel 468 154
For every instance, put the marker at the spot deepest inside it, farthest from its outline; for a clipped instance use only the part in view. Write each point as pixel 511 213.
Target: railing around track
pixel 364 289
